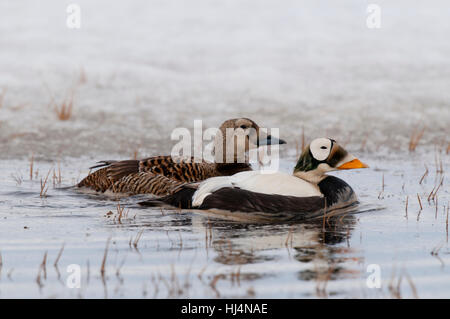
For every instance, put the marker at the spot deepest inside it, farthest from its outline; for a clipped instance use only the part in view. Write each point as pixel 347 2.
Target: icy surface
pixel 149 66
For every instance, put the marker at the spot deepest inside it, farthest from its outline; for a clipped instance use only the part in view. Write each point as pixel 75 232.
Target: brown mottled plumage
pixel 146 183
pixel 142 176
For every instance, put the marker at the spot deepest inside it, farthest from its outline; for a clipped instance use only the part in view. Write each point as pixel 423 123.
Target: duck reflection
pixel 321 246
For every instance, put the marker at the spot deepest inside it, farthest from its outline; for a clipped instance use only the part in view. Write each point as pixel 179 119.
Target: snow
pixel 151 66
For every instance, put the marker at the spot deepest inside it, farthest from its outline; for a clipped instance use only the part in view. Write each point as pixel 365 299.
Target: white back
pixel 277 183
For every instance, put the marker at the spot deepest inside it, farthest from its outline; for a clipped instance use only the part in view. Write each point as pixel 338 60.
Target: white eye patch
pixel 320 148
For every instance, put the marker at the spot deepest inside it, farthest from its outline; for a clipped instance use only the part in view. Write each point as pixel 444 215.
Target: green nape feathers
pixel 306 162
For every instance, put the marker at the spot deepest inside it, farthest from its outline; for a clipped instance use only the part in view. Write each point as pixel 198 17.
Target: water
pixel 185 254
pixel 311 66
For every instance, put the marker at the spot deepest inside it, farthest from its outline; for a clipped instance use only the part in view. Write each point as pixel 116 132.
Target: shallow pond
pixel 163 253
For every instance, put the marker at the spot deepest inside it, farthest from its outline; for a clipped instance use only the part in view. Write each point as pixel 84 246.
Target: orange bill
pixel 356 163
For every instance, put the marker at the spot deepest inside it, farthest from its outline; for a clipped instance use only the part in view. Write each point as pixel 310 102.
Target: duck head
pixel 237 137
pixel 324 155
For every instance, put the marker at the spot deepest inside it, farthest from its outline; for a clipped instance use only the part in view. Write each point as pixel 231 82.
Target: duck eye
pixel 323 147
pixel 243 127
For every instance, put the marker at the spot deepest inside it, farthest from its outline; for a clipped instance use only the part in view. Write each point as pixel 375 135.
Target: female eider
pixel 159 174
pixel 308 190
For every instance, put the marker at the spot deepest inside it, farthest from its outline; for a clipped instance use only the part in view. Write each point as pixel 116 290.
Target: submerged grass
pixel 42 270
pixel 424 174
pixel 102 268
pixel 138 237
pixel 406 207
pixel 216 283
pixel 44 186
pixel 31 166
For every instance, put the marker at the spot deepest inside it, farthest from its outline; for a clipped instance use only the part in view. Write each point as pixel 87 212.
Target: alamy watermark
pixel 74 16
pixel 227 145
pixel 374 278
pixel 74 278
pixel 373 20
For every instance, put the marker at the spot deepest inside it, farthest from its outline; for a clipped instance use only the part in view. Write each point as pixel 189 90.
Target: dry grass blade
pixel 64 110
pixel 289 236
pixel 214 281
pixel 120 213
pixel 31 166
pixel 435 190
pixel 435 250
pixel 431 194
pixel 446 221
pixel 44 265
pixel 424 175
pixel 436 203
pixel 200 274
pixel 395 289
pixel 435 253
pixel 2 97
pixel 38 279
pixel 421 208
pixel 59 256
pixel 406 207
pixel 18 178
pixel 138 237
pixel 44 186
pixel 416 136
pixel 102 268
pixel 59 173
pixel 438 162
pixel 439 186
pixel 42 269
pixel 57 177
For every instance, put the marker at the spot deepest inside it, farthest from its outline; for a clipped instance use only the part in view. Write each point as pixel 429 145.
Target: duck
pixel 308 191
pixel 160 175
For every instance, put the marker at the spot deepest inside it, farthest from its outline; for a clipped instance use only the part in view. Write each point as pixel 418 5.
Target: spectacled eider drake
pixel 309 191
pixel 159 174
